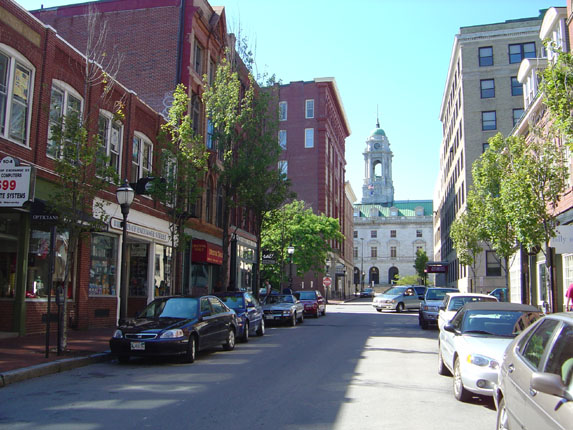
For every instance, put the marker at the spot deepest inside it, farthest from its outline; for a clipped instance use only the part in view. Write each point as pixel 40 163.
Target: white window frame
pixel 309 107
pixel 283 111
pixel 309 137
pixel 67 91
pixel 109 138
pixel 283 139
pixel 139 165
pixel 15 60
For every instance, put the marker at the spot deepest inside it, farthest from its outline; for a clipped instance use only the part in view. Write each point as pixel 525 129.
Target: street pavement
pixel 353 369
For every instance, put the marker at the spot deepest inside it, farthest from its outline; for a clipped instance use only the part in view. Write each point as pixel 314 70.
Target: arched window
pixel 374 276
pixel 392 273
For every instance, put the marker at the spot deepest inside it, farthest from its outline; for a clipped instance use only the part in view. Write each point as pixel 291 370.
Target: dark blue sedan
pixel 249 313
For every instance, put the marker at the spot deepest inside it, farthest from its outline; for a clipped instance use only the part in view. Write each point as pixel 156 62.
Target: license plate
pixel 277 318
pixel 138 346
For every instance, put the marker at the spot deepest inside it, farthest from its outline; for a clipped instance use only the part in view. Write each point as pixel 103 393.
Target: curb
pixel 19 375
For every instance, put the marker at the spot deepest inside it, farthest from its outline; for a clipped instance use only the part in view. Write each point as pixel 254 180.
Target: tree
pixel 310 234
pixel 183 163
pixel 420 265
pixel 466 241
pixel 407 280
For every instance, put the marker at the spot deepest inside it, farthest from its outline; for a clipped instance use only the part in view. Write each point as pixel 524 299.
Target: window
pixel 533 350
pixel 103 279
pixel 210 132
pixel 419 248
pixel 141 157
pixel 64 102
pixel 484 147
pixel 517 114
pixel 198 64
pixel 373 252
pixel 110 134
pixel 516 87
pixel 283 111
pixel 393 252
pixel 488 120
pixel 16 81
pixel 519 51
pixel 392 233
pixel 373 233
pixel 196 107
pixel 355 252
pixel 309 137
pixel 283 167
pixel 559 360
pixel 309 109
pixel 355 234
pixel 486 56
pixel 493 267
pixel 487 88
pixel 418 233
pixel 283 139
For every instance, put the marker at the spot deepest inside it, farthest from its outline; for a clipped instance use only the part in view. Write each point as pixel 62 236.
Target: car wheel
pixel 317 313
pixel 261 329
pixel 460 393
pixel 502 416
pixel 301 319
pixel 324 311
pixel 424 324
pixel 191 352
pixel 293 320
pixel 245 337
pixel 230 343
pixel 123 359
pixel 400 307
pixel 442 369
pixel 379 310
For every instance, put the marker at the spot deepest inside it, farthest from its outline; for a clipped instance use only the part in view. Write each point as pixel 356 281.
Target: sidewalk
pixel 24 357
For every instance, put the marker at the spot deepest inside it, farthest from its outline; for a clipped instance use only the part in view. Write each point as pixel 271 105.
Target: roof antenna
pixel 377 120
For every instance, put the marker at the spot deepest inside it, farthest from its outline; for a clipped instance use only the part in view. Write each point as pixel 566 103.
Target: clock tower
pixel 378 187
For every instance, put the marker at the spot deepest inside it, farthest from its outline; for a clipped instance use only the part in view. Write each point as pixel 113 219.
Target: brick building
pixel 312 131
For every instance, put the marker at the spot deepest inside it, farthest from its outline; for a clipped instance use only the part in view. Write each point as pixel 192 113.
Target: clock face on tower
pixel 376 145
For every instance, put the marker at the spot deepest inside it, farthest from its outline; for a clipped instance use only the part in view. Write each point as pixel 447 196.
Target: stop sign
pixel 326 281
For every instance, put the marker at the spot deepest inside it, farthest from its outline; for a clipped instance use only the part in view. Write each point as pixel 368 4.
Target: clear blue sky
pixel 393 54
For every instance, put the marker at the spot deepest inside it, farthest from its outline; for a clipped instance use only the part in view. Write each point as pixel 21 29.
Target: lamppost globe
pixel 124 195
pixel 290 251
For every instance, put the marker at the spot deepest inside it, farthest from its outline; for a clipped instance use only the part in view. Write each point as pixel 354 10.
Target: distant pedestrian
pixel 569 295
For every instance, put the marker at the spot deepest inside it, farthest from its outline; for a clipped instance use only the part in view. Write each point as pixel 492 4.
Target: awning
pixel 205 252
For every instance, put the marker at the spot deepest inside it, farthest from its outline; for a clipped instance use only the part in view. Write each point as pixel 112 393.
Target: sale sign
pixel 15 183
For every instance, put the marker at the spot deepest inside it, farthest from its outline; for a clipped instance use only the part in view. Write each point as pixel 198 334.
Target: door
pixel 219 318
pixel 207 328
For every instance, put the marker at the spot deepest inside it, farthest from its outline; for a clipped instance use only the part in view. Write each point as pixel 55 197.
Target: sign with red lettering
pixel 205 252
pixel 15 183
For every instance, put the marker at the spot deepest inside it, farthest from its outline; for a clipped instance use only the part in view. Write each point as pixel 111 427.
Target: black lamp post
pixel 362 266
pixel 124 196
pixel 290 251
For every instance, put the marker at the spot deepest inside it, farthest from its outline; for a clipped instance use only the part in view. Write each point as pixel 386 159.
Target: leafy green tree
pixel 310 234
pixel 466 240
pixel 420 265
pixel 183 165
pixel 407 280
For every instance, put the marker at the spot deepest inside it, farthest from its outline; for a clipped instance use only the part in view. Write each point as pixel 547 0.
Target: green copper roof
pixel 378 132
pixel 405 208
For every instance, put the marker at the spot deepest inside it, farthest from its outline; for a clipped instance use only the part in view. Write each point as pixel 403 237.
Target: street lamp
pixel 124 195
pixel 326 288
pixel 290 251
pixel 362 266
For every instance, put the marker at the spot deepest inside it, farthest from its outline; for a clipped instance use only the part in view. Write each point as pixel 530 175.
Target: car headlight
pixel 172 334
pixel 118 334
pixel 287 312
pixel 482 361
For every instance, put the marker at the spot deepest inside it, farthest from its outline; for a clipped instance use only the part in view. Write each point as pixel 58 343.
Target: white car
pixel 471 346
pixel 454 302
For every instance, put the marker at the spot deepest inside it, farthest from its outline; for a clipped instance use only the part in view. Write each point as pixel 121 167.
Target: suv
pixel 400 298
pixel 430 307
pixel 314 303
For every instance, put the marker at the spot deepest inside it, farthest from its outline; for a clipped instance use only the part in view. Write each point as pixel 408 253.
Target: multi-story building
pixel 387 232
pixel 482 97
pixel 164 43
pixel 312 131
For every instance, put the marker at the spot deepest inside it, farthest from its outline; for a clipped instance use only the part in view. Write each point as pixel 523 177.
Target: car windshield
pixel 497 323
pixel 458 302
pixel 234 302
pixel 395 291
pixel 279 299
pixel 307 295
pixel 436 294
pixel 183 307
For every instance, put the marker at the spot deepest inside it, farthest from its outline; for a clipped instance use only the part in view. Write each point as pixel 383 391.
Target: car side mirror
pixel 450 328
pixel 551 384
pixel 442 308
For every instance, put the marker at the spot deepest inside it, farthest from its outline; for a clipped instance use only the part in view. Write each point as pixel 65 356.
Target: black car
pixel 249 313
pixel 176 326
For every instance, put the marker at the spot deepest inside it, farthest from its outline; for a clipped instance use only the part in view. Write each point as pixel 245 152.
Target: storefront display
pixel 8 254
pixel 39 261
pixel 138 265
pixel 103 265
pixel 162 270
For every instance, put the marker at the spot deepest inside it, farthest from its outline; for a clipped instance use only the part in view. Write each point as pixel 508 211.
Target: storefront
pixel 202 264
pixel 243 263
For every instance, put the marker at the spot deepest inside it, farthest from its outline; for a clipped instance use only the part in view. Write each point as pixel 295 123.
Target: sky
pixel 389 57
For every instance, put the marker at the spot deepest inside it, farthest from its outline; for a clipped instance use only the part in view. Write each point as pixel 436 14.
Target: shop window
pixel 162 270
pixel 8 253
pixel 493 266
pixel 39 261
pixel 103 273
pixel 138 263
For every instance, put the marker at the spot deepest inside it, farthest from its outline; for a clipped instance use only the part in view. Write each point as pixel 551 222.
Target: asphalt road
pixel 353 369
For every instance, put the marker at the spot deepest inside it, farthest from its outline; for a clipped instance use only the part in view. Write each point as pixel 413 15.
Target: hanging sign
pixel 15 183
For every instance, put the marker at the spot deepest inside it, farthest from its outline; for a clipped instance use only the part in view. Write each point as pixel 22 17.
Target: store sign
pixel 205 252
pixel 563 240
pixel 140 230
pixel 15 183
pixel 436 268
pixel 268 257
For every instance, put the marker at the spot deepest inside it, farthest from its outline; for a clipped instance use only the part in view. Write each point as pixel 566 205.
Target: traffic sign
pixel 326 281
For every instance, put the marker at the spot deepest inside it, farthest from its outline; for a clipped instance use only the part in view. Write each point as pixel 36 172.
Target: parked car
pixel 313 302
pixel 471 346
pixel 176 326
pixel 283 308
pixel 249 313
pixel 501 294
pixel 430 306
pixel 453 302
pixel 535 387
pixel 367 292
pixel 400 298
